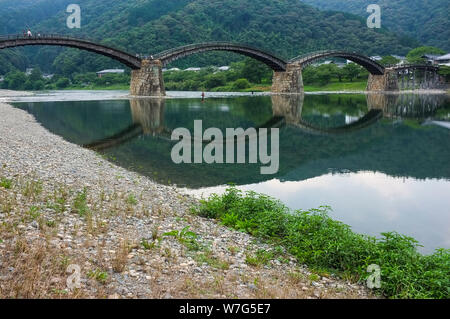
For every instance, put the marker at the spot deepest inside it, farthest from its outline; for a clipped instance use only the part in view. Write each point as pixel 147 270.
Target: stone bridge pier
pixel 379 101
pixel 289 81
pixel 288 106
pixel 148 80
pixel 384 82
pixel 149 114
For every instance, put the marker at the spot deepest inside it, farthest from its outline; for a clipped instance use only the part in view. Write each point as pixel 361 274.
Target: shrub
pixel 323 243
pixel 241 84
pixel 62 83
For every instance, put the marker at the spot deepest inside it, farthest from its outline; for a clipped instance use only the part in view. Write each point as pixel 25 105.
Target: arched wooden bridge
pixel 270 59
pixel 58 40
pixel 372 66
pixel 147 76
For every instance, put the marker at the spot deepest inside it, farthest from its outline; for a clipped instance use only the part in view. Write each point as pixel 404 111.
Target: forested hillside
pixel 286 27
pixel 425 20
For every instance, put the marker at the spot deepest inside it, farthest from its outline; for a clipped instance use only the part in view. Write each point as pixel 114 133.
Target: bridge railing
pixel 309 54
pixel 215 43
pixel 322 52
pixel 37 35
pixel 411 65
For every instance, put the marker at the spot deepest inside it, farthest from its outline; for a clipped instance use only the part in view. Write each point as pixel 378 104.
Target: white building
pixel 401 58
pixel 431 58
pixel 193 69
pixel 443 60
pixel 224 68
pixel 110 71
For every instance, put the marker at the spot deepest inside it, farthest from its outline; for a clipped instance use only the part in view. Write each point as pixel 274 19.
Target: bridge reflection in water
pixel 383 133
pixel 148 116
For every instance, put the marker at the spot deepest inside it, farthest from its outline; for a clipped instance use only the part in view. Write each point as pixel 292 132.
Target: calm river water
pixel 382 162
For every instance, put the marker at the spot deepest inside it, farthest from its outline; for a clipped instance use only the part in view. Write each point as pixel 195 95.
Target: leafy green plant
pixel 148 245
pixel 323 243
pixel 80 203
pixel 50 223
pixel 33 189
pixel 213 261
pixel 260 258
pixel 100 276
pixel 34 212
pixel 131 200
pixel 185 237
pixel 5 183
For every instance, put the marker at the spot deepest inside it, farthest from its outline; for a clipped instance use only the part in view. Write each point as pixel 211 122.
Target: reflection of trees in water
pixel 408 105
pixel 395 150
pixel 288 110
pixel 401 150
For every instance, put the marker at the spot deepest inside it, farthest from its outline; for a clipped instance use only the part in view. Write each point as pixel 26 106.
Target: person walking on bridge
pixel 29 33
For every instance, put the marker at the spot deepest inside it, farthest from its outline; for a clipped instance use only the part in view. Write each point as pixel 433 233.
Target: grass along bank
pixel 128 249
pixel 332 247
pixel 338 86
pixel 332 87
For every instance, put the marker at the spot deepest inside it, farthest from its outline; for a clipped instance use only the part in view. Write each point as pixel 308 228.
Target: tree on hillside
pixel 351 71
pixel 255 71
pixel 215 80
pixel 324 74
pixel 14 80
pixel 335 71
pixel 445 72
pixel 241 84
pixel 62 83
pixel 389 59
pixel 415 55
pixel 309 75
pixel 35 75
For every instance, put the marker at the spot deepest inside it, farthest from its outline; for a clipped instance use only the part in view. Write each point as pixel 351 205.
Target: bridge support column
pixel 148 80
pixel 149 114
pixel 386 82
pixel 384 102
pixel 288 106
pixel 289 81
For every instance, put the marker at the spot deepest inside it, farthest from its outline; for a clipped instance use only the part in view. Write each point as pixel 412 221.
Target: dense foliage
pixel 415 55
pixel 323 74
pixel 426 21
pixel 240 76
pixel 16 80
pixel 246 75
pixel 325 244
pixel 287 27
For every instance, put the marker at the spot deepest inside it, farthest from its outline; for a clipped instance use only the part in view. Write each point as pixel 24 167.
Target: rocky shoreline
pixel 63 205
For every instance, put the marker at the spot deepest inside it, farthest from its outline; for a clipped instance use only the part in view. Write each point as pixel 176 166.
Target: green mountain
pixel 285 27
pixel 425 20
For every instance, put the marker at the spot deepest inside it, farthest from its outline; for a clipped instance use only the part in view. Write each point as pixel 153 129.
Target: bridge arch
pixel 271 60
pixel 57 40
pixel 370 65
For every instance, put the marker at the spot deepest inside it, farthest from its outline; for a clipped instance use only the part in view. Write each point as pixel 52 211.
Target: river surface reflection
pixel 380 161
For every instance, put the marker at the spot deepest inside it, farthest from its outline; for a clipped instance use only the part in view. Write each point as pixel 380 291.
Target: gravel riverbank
pixel 63 205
